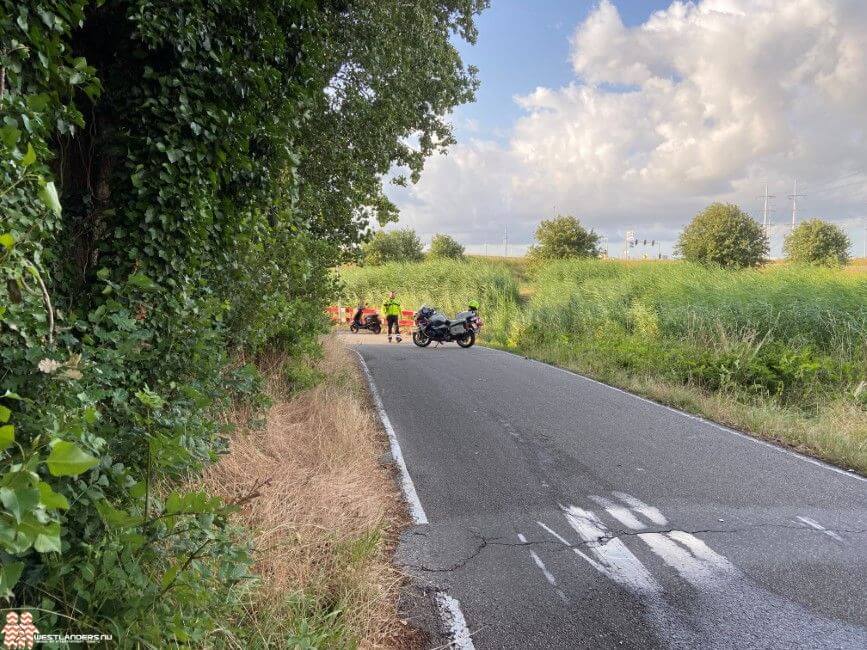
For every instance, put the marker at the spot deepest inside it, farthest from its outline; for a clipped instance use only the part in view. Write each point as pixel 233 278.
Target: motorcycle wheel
pixel 376 329
pixel 467 340
pixel 353 328
pixel 420 339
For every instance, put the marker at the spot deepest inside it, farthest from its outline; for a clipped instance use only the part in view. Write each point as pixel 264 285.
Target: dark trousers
pixel 393 321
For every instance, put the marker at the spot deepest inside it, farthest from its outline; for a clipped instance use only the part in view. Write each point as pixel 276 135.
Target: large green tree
pixel 391 74
pixel 176 180
pixel 564 237
pixel 393 246
pixel 817 242
pixel 725 235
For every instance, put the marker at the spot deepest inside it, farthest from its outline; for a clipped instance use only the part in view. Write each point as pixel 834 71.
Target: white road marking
pixel 453 617
pixel 554 534
pixel 566 542
pixel 817 526
pixel 545 572
pixel 620 513
pixel 693 560
pixel 649 512
pixel 407 486
pixel 616 561
pixel 450 608
pixel 716 425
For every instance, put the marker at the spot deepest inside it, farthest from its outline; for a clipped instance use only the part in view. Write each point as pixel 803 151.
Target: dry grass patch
pixel 324 523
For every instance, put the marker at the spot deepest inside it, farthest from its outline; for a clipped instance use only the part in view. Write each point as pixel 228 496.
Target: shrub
pixel 722 234
pixel 445 246
pixel 817 242
pixel 394 246
pixel 564 237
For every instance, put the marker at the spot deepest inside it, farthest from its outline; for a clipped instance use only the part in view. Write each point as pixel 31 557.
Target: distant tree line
pixel 722 234
pixel 404 245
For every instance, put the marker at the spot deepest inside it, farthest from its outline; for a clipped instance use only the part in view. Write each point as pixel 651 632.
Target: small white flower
pixel 49 366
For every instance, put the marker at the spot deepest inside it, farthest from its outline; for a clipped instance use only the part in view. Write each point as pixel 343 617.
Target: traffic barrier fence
pixel 343 314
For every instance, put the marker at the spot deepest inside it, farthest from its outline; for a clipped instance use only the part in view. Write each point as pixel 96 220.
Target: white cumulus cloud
pixel 703 101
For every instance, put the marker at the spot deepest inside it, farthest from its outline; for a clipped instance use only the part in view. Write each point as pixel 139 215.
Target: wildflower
pixel 49 366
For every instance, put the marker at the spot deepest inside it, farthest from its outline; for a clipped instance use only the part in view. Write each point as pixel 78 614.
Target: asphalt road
pixel 563 513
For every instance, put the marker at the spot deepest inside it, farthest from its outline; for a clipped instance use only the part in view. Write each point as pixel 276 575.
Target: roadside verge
pixel 326 514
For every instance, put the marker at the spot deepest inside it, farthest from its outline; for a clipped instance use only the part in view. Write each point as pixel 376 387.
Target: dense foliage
pixel 446 246
pixel 725 235
pixel 175 181
pixel 401 245
pixel 564 237
pixel 817 242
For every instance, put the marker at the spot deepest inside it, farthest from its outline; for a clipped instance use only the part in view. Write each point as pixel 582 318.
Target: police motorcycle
pixel 432 325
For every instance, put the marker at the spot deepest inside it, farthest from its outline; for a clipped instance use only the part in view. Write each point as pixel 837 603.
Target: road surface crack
pixel 482 543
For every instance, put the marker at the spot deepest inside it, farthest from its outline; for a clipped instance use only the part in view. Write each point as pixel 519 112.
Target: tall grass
pixel 819 308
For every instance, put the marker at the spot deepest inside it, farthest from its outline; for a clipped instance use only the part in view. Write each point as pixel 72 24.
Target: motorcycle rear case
pixel 457 328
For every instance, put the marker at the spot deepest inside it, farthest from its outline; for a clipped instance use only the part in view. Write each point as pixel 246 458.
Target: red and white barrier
pixel 340 314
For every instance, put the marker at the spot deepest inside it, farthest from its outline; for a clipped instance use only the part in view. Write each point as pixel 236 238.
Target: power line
pixel 837 188
pixel 823 186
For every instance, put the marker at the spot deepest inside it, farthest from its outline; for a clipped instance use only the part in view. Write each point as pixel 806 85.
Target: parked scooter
pixel 432 325
pixel 370 322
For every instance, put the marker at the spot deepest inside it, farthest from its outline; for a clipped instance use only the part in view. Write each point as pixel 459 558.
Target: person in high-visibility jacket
pixel 391 307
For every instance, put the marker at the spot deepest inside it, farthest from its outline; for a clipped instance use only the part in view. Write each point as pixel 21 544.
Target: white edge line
pixel 691 416
pixel 450 608
pixel 416 510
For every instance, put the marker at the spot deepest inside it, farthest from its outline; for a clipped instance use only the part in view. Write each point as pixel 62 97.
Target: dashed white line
pixel 817 526
pixel 545 572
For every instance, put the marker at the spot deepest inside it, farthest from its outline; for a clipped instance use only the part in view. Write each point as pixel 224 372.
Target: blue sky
pixel 633 115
